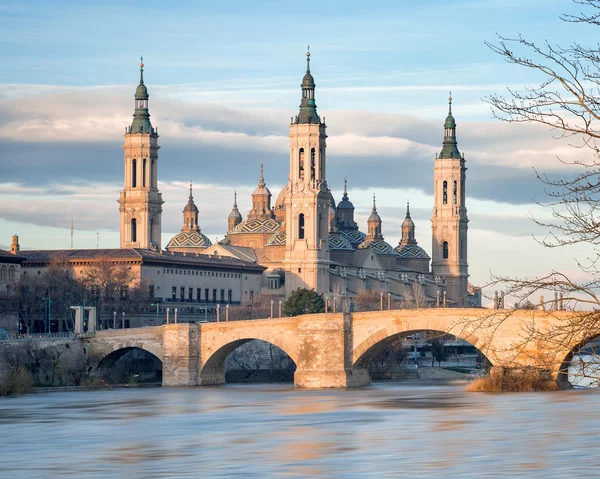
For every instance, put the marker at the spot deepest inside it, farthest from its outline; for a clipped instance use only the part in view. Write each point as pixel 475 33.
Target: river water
pixel 408 429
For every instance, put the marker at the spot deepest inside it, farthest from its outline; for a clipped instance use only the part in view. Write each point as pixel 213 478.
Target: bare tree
pixel 567 101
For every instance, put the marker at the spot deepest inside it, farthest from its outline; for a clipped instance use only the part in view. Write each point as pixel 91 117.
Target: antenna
pixel 72 232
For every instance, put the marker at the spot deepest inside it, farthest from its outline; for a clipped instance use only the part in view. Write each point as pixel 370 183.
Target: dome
pixel 261 191
pixel 280 203
pixel 141 92
pixel 191 206
pixel 380 247
pixel 408 223
pixel 257 226
pixel 354 236
pixel 195 239
pixel 411 251
pixel 235 214
pixel 278 239
pixel 308 81
pixel 345 204
pixel 338 242
pixel 374 217
pixel 450 122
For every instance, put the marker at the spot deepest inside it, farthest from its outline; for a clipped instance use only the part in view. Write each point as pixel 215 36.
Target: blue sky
pixel 224 80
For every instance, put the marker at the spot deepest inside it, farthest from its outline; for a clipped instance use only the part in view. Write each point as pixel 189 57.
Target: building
pixel 304 240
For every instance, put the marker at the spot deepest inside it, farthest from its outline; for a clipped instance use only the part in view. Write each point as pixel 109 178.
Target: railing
pixel 37 337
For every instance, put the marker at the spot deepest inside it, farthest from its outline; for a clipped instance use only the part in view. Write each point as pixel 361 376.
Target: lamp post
pixel 156 304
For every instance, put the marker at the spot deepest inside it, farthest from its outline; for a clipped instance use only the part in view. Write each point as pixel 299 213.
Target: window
pixel 301 226
pixel 3 273
pixel 11 274
pixel 445 192
pixel 133 230
pixel 151 229
pixel 198 294
pixel 229 296
pixel 206 295
pixel 222 296
pixel 191 294
pixel 144 172
pixel 214 295
pixel 151 291
pixel 455 192
pixel 301 164
pixel 312 164
pixel 182 293
pixel 445 250
pixel 134 173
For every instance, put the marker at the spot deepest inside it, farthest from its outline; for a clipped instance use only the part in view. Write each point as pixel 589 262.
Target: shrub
pixel 514 380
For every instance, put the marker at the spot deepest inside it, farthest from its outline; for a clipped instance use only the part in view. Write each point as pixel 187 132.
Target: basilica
pixel 306 239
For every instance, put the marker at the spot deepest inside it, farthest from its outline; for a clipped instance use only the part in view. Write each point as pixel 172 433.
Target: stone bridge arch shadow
pixel 129 363
pixel 376 341
pixel 584 372
pixel 212 370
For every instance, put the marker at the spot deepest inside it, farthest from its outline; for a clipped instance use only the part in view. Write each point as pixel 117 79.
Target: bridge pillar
pixel 325 345
pixel 181 354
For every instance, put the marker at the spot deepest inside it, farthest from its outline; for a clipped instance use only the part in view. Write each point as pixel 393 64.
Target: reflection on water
pixel 410 429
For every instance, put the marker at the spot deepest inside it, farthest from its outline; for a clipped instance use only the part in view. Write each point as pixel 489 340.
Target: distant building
pixel 304 240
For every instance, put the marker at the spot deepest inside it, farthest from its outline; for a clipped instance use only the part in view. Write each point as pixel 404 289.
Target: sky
pixel 224 79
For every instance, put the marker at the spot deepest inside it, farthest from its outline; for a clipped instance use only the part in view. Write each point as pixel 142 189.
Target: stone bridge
pixel 332 350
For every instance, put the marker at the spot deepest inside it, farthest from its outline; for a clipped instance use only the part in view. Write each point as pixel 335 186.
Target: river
pixel 409 429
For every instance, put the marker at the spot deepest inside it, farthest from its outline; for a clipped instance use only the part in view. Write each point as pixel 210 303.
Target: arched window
pixel 152 170
pixel 151 230
pixel 445 192
pixel 445 250
pixel 11 274
pixel 134 173
pixel 301 226
pixel 133 230
pixel 3 273
pixel 313 164
pixel 144 173
pixel 301 164
pixel 455 192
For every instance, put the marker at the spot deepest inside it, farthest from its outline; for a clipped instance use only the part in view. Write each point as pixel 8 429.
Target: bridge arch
pixel 212 369
pixel 108 354
pixel 590 346
pixel 397 329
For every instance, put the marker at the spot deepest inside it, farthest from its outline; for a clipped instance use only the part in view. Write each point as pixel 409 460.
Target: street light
pixel 156 304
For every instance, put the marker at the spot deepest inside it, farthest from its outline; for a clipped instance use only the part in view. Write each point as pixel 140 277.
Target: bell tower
pixel 449 221
pixel 140 203
pixel 307 200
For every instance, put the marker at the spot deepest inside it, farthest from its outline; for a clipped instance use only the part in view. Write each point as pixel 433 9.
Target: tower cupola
pixel 345 211
pixel 261 200
pixel 449 145
pixel 235 217
pixel 408 229
pixel 190 214
pixel 141 116
pixel 308 107
pixel 374 225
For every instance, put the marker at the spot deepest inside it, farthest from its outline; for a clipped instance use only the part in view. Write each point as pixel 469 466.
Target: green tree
pixel 303 301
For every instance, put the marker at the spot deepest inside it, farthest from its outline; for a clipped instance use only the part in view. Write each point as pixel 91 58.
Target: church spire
pixel 374 225
pixel 308 107
pixel 261 200
pixel 449 145
pixel 141 116
pixel 190 214
pixel 408 229
pixel 234 218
